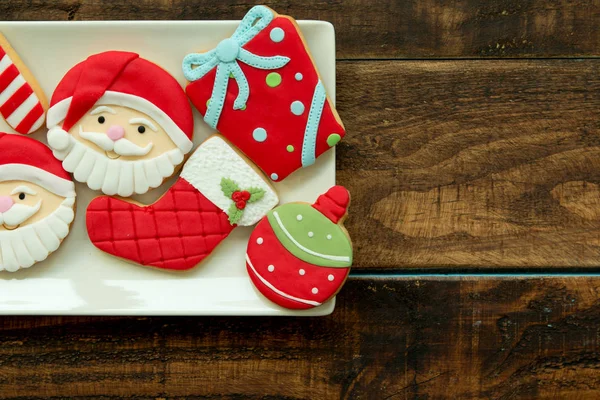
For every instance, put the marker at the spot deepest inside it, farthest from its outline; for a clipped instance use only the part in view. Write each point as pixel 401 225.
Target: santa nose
pixel 6 202
pixel 115 132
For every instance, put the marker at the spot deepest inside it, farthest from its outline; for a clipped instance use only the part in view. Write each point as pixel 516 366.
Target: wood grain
pixel 434 338
pixel 460 164
pixel 379 29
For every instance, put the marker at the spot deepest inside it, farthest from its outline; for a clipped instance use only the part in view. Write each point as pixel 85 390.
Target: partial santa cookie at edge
pixel 217 191
pixel 37 202
pixel 23 103
pixel 116 132
pixel 260 89
pixel 299 255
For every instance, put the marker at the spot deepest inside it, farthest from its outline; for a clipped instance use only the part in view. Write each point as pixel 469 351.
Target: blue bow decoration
pixel 226 56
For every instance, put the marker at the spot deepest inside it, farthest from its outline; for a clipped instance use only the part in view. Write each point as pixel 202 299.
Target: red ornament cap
pixel 334 203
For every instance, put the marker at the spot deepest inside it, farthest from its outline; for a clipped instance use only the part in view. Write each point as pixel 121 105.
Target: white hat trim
pixel 58 112
pixel 43 178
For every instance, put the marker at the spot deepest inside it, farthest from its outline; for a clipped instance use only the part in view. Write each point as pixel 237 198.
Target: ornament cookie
pixel 300 254
pixel 37 202
pixel 261 90
pixel 120 123
pixel 22 101
pixel 217 190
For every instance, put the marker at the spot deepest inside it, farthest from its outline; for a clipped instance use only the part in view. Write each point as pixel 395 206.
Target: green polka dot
pixel 289 148
pixel 243 108
pixel 273 79
pixel 333 139
pixel 231 75
pixel 207 102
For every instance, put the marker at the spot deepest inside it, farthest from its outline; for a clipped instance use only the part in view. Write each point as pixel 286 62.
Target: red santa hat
pixel 26 159
pixel 124 79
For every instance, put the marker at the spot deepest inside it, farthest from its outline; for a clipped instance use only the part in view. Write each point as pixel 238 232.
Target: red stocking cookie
pixel 300 254
pixel 22 101
pixel 261 90
pixel 120 123
pixel 37 202
pixel 217 191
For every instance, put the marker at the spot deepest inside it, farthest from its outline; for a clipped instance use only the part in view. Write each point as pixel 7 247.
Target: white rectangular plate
pixel 79 279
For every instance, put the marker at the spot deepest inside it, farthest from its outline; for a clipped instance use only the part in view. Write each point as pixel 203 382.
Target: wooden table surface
pixel 473 158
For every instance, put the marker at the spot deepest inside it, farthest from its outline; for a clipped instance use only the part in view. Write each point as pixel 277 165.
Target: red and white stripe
pixel 19 105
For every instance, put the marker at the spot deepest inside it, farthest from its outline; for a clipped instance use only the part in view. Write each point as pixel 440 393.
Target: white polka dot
pixel 315 290
pixel 330 277
pixel 259 134
pixel 277 35
pixel 299 217
pixel 310 234
pixel 297 108
pixel 301 272
pixel 259 240
pixel 274 176
pixel 328 237
pixel 298 76
pixel 271 268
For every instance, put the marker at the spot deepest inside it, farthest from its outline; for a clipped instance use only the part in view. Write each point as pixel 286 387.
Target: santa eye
pixel 101 119
pixel 23 191
pixel 141 129
pixel 21 196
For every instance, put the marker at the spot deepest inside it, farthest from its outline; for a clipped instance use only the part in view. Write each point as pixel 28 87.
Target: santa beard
pixel 29 244
pixel 117 177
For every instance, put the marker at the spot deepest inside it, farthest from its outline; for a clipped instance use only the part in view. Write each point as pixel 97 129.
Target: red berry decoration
pixel 245 195
pixel 299 255
pixel 240 204
pixel 240 198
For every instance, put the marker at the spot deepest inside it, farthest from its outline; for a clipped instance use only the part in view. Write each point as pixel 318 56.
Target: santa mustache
pixel 18 214
pixel 122 147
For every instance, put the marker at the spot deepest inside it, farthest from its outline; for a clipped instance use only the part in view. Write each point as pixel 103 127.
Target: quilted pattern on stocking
pixel 176 233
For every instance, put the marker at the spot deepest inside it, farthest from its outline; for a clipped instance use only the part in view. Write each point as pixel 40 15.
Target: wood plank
pixel 472 163
pixel 434 338
pixel 379 29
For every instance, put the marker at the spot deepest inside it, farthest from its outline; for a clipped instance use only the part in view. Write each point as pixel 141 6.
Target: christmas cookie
pixel 120 123
pixel 37 202
pixel 260 89
pixel 300 254
pixel 22 101
pixel 217 190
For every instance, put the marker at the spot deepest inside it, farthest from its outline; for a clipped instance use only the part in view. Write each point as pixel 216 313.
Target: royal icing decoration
pixel 217 191
pixel 261 90
pixel 115 132
pixel 37 202
pixel 307 269
pixel 22 101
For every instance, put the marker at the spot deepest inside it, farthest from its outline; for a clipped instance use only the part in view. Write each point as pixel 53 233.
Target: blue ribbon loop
pixel 226 56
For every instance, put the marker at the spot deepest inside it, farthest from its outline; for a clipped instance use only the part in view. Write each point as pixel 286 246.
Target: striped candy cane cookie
pixel 22 101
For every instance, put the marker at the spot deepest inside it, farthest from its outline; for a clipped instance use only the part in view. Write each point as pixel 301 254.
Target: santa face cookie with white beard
pixel 37 202
pixel 120 123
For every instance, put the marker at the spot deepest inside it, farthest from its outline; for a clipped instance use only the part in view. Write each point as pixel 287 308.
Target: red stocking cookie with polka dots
pixel 300 254
pixel 260 88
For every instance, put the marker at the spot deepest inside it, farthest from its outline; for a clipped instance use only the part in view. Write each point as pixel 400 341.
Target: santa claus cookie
pixel 217 190
pixel 120 123
pixel 300 254
pixel 260 88
pixel 22 101
pixel 37 202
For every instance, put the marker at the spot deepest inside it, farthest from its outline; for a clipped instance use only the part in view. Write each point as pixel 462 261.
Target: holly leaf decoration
pixel 235 214
pixel 228 187
pixel 255 194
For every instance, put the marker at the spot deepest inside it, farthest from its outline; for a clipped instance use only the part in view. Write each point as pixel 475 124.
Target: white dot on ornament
pixel 274 176
pixel 315 290
pixel 299 217
pixel 301 272
pixel 298 76
pixel 330 277
pixel 271 268
pixel 310 234
pixel 259 240
pixel 328 237
pixel 297 108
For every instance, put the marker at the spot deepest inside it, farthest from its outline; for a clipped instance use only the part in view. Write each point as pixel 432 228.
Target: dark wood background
pixel 473 149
